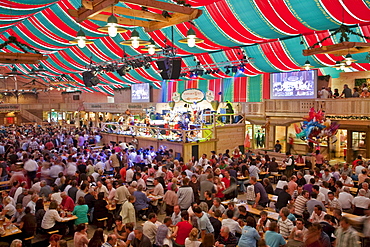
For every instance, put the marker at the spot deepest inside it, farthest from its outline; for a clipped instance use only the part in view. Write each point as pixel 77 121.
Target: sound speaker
pixel 170 67
pixel 90 79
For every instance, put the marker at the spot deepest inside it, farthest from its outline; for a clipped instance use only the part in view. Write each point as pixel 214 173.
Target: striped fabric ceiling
pixel 269 31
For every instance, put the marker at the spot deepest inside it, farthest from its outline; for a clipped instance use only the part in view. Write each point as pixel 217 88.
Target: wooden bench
pixel 53 232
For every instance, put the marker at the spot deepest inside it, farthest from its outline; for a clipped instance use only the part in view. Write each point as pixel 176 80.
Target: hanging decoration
pixel 20 58
pixel 316 127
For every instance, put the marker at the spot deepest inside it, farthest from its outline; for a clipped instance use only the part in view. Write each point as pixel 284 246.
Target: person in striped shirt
pixel 300 203
pixel 284 224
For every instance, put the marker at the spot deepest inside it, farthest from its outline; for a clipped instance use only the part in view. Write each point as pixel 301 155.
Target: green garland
pixel 344 30
pixel 13 40
pixel 182 2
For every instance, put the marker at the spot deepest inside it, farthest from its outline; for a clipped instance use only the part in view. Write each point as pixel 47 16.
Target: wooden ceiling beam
pixel 139 14
pixel 176 19
pixel 98 6
pixel 341 48
pixel 122 20
pixel 18 61
pixel 170 7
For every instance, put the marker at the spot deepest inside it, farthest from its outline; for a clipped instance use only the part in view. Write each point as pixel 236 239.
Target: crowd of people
pixel 357 92
pixel 55 175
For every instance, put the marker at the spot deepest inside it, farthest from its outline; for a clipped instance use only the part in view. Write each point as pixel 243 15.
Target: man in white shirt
pixel 333 202
pixel 345 199
pixel 101 188
pixel 203 161
pixel 140 181
pixel 19 191
pixel 346 180
pixel 32 203
pixel 99 165
pixel 111 191
pixel 327 175
pixel 360 202
pixel 325 190
pixel 130 174
pixel 323 93
pixel 320 196
pixel 317 215
pixel 231 223
pixel 150 228
pixel 31 167
pixel 359 167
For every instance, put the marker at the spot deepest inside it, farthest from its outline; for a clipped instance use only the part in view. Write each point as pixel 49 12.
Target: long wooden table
pixel 354 219
pixel 255 211
pixel 10 229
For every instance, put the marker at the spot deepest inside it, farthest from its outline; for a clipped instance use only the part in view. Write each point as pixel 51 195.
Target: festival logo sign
pixel 192 96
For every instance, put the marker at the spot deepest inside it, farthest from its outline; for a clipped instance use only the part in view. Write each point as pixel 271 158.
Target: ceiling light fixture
pixel 307 65
pixel 191 38
pixel 81 40
pixel 112 27
pixel 341 65
pixel 135 40
pixel 348 59
pixel 151 48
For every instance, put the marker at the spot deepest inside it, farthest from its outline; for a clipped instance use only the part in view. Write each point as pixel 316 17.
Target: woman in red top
pixel 182 229
pixel 220 187
pixel 236 153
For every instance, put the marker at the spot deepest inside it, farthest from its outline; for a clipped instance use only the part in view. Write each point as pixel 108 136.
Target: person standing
pixel 345 235
pixel 346 92
pixel 277 147
pixel 128 211
pixel 260 192
pixel 203 222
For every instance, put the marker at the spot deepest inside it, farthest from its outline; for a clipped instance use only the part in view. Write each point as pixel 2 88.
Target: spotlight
pixel 227 71
pixel 234 69
pixel 241 68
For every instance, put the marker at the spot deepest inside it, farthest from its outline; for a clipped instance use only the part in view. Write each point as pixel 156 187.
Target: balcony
pixel 297 108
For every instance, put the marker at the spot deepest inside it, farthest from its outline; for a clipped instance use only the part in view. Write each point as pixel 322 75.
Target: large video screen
pixel 294 85
pixel 140 92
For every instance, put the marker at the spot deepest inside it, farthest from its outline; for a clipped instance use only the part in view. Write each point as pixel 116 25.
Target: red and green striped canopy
pixel 269 31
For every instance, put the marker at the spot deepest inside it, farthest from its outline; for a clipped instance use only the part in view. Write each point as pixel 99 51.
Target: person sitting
pixel 141 202
pixel 283 199
pixel 28 224
pixel 226 238
pixel 52 221
pixel 120 229
pixel 272 238
pixel 80 211
pixel 80 238
pixel 192 240
pixel 232 225
pixel 16 219
pixel 318 215
pixel 360 203
pixel 9 209
pixel 140 239
pixel 40 212
pixel 98 238
pixel 67 202
pixel 101 211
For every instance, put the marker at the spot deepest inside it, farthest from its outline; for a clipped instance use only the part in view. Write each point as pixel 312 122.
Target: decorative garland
pixel 182 2
pixel 13 40
pixel 77 91
pixel 348 117
pixel 344 30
